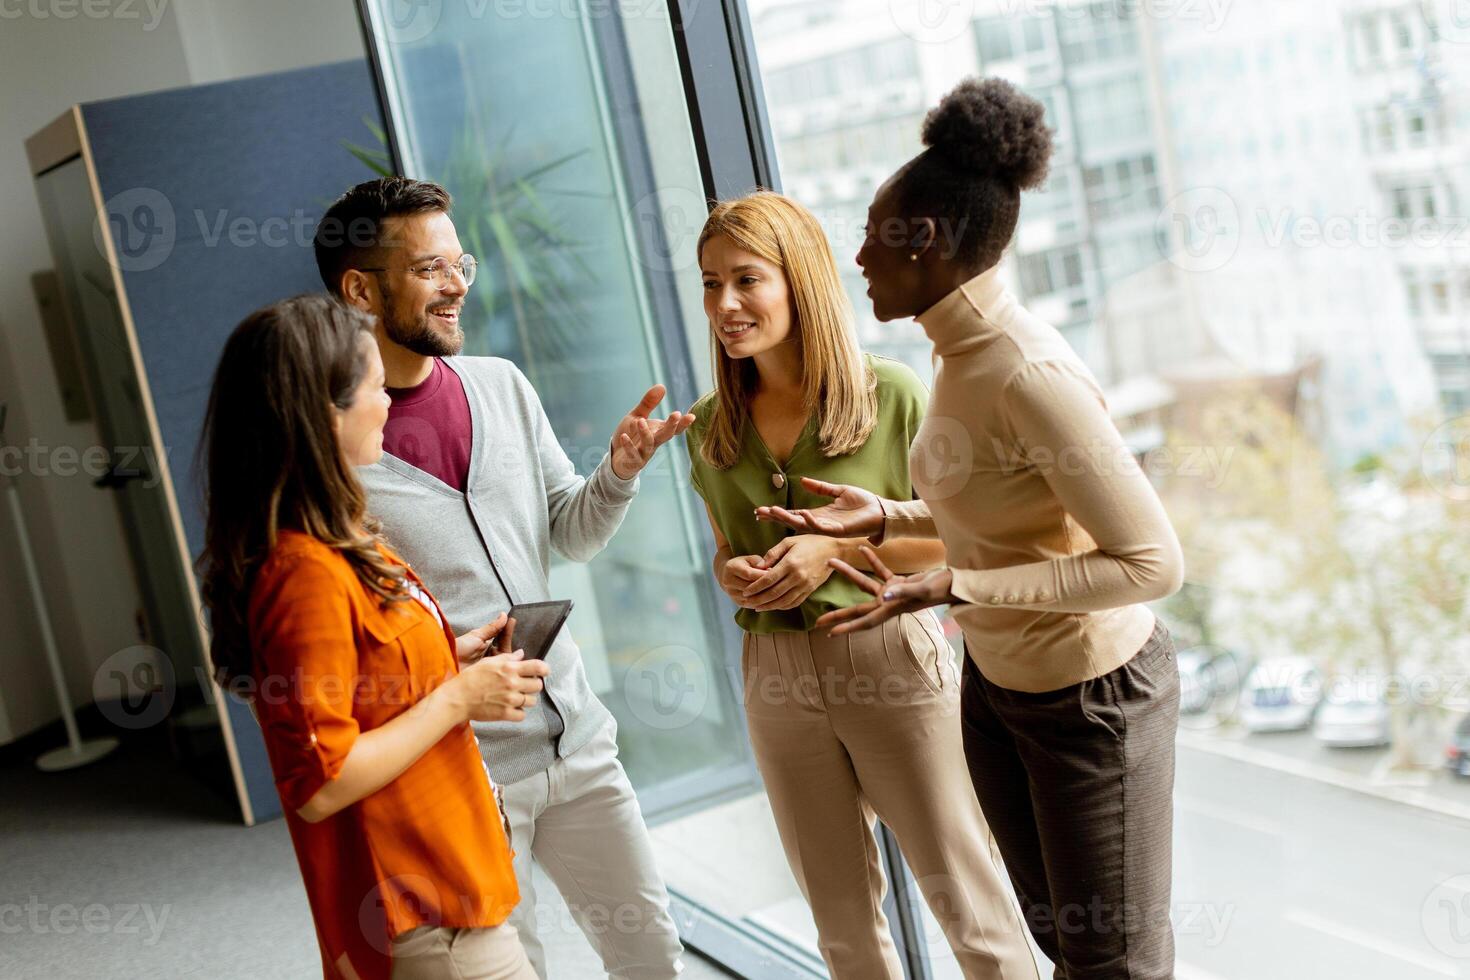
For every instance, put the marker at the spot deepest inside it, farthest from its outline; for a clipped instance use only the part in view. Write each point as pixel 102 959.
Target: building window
pixel 1402 34
pixel 994 38
pixel 1368 34
pixel 1121 187
pixel 1413 296
pixel 1051 271
pixel 1112 111
pixel 1109 31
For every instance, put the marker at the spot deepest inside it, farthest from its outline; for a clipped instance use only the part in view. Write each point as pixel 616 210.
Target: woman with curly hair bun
pixel 1055 540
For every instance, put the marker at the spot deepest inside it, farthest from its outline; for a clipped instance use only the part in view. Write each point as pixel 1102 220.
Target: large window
pixel 1254 233
pixel 562 130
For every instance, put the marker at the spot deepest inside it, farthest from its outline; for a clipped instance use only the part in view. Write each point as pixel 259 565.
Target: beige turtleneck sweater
pixel 1055 536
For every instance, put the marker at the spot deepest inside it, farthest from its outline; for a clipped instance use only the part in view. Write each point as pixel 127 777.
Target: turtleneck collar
pixel 970 316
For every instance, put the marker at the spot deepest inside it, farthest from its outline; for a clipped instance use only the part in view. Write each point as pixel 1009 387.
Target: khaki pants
pixel 442 953
pixel 847 726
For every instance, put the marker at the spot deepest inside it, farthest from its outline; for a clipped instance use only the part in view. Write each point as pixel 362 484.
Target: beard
pixel 417 332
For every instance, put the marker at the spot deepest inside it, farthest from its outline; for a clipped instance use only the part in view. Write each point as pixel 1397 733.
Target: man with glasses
pixel 474 490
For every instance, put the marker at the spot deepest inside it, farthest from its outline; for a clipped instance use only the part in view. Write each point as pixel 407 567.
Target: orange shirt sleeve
pixel 306 668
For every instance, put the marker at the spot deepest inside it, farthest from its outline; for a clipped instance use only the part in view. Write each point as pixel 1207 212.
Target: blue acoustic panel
pixel 213 194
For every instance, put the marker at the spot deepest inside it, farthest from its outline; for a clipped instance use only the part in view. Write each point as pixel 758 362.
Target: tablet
pixel 537 624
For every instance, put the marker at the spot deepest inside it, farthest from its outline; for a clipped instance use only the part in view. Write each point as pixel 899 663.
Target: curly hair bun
pixel 991 127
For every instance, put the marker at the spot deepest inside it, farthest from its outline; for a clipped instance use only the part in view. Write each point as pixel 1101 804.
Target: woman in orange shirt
pixel 345 657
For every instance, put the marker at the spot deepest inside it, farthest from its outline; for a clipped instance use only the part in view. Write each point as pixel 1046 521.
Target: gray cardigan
pixel 523 498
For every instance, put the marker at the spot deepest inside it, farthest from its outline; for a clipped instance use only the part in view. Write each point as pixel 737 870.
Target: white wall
pixel 50 63
pixel 226 39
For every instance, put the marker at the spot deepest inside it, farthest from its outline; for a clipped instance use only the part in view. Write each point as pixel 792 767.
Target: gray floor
pixel 131 869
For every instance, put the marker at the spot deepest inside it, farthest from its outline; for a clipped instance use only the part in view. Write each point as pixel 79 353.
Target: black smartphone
pixel 537 624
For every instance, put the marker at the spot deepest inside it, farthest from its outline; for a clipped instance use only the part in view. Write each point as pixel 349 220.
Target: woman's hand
pixel 737 573
pixel 795 569
pixel 499 688
pixel 474 644
pixel 853 512
pixel 894 594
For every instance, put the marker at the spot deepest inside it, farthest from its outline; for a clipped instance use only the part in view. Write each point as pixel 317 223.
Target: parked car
pixel 1356 720
pixel 1457 754
pixel 1281 695
pixel 1209 680
pixel 1196 681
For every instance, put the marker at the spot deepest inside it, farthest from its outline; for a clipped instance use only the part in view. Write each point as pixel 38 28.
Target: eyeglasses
pixel 437 272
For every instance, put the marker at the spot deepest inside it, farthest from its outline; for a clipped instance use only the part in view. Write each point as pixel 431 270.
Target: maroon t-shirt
pixel 429 426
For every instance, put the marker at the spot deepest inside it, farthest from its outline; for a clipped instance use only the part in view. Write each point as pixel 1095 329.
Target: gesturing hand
pixel 638 437
pixel 853 512
pixel 895 594
pixel 795 569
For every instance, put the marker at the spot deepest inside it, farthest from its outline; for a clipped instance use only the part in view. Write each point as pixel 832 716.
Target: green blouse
pixel 880 465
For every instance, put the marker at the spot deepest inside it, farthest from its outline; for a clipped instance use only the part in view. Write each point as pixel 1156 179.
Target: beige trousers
pixel 848 726
pixel 442 953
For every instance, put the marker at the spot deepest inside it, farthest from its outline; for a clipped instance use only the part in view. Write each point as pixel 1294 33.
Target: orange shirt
pixel 426 849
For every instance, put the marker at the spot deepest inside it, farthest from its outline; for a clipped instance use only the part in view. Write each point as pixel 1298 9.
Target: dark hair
pixel 987 141
pixel 271 460
pixel 350 234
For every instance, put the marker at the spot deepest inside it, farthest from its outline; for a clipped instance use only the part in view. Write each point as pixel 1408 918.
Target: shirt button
pixel 778 480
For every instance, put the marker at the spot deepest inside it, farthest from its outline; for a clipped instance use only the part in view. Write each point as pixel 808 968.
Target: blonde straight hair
pixel 837 384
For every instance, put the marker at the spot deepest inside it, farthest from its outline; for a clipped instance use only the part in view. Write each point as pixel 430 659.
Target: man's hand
pixel 853 512
pixel 894 594
pixel 638 437
pixel 796 568
pixel 474 644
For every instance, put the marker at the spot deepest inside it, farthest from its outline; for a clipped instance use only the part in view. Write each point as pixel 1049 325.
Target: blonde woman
pixel 868 722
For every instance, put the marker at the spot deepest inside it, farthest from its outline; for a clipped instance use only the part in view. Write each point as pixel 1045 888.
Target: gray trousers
pixel 1077 786
pixel 581 822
